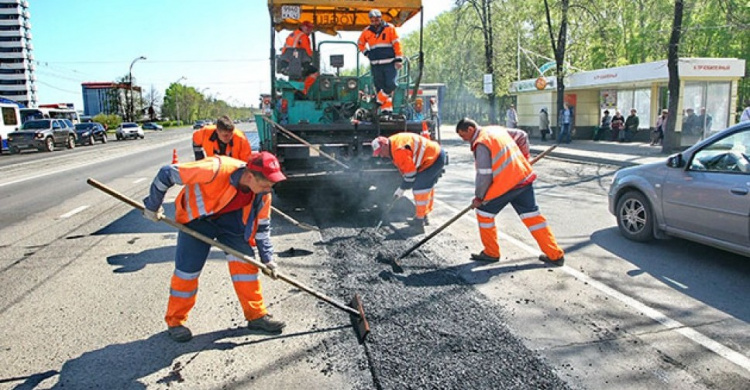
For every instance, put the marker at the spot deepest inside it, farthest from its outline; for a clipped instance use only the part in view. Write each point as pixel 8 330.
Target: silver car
pixel 128 130
pixel 701 194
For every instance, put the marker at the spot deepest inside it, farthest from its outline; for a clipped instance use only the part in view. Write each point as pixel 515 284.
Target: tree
pixel 152 101
pixel 483 9
pixel 670 138
pixel 558 47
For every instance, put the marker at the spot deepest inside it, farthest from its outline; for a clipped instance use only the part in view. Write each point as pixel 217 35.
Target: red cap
pixel 306 24
pixel 378 144
pixel 268 165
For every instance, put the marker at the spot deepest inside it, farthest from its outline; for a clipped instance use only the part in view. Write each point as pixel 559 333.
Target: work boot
pixel 416 222
pixel 558 262
pixel 180 333
pixel 484 257
pixel 266 324
pixel 426 221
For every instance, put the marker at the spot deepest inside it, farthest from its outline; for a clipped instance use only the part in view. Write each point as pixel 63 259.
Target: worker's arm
pixel 483 162
pixel 402 158
pixel 396 45
pixel 362 42
pixel 198 145
pixel 263 230
pixel 167 177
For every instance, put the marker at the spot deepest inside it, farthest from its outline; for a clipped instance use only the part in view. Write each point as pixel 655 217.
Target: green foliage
pixel 601 34
pixel 188 104
pixel 109 121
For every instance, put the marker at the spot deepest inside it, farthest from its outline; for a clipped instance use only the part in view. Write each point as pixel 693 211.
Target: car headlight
pixel 86 134
pixel 10 138
pixel 39 135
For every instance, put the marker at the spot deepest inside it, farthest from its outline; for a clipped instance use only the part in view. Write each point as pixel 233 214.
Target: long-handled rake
pixel 355 310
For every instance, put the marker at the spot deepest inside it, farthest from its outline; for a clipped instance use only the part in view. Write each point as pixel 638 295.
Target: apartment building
pixel 17 79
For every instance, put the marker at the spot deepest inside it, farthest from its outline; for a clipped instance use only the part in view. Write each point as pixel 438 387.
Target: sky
pixel 221 47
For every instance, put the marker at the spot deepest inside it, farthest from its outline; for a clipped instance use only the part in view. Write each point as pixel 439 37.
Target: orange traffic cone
pixel 425 130
pixel 174 156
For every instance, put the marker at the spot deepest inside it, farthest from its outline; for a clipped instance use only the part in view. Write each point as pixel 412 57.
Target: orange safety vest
pixel 510 169
pixel 207 190
pixel 383 42
pixel 207 139
pixel 298 40
pixel 412 153
pixel 519 136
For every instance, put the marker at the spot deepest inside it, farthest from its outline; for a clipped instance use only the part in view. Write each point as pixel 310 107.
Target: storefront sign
pixel 531 85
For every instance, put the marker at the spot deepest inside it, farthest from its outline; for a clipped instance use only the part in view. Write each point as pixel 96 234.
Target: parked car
pixel 152 126
pixel 129 130
pixel 198 124
pixel 89 132
pixel 701 194
pixel 43 135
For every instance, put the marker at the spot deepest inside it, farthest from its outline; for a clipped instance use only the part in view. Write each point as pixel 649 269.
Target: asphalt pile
pixel 430 328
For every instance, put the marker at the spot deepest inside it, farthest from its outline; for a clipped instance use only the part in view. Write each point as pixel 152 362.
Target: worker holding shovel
pixel 420 162
pixel 504 175
pixel 228 200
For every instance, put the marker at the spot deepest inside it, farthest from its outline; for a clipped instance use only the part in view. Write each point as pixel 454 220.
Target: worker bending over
pixel 227 200
pixel 504 175
pixel 221 139
pixel 420 162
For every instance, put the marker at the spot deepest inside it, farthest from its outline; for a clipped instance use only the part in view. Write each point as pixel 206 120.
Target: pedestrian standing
pixel 661 126
pixel 504 175
pixel 380 44
pixel 566 122
pixel 618 124
pixel 221 139
pixel 631 126
pixel 227 200
pixel 511 117
pixel 420 162
pixel 544 129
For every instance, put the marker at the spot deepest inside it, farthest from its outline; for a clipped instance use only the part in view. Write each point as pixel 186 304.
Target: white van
pixel 10 120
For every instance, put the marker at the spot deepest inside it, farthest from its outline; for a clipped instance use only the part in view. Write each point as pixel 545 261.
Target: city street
pixel 84 282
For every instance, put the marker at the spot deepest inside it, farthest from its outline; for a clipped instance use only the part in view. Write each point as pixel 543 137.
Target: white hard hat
pixel 375 13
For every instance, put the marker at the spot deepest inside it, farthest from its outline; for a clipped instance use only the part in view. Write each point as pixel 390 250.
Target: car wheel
pixel 119 137
pixel 104 138
pixel 71 142
pixel 635 219
pixel 49 144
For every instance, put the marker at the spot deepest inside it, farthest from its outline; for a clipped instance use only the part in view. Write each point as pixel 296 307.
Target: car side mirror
pixel 675 161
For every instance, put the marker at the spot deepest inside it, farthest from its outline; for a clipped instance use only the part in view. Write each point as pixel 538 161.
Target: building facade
pixel 17 79
pixel 107 98
pixel 707 101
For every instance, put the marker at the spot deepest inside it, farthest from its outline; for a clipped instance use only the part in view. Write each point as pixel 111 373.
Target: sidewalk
pixel 603 152
pixel 600 152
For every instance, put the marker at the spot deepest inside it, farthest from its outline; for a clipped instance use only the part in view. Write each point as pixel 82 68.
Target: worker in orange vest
pixel 420 162
pixel 504 175
pixel 300 39
pixel 221 139
pixel 379 42
pixel 228 200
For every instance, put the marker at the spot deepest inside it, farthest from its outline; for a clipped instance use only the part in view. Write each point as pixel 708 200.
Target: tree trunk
pixel 671 141
pixel 558 47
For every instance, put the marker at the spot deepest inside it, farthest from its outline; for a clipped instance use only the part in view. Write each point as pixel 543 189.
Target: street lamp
pixel 130 87
pixel 177 98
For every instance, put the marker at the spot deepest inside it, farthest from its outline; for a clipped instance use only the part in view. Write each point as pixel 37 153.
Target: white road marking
pixel 73 212
pixel 139 180
pixel 688 332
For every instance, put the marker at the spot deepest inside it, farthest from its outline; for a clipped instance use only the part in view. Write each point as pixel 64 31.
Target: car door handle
pixel 739 191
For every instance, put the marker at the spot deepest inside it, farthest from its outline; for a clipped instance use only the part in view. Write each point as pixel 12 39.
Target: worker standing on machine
pixel 380 44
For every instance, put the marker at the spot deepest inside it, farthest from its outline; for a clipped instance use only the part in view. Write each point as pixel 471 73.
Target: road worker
pixel 300 39
pixel 420 162
pixel 228 200
pixel 221 139
pixel 504 176
pixel 379 42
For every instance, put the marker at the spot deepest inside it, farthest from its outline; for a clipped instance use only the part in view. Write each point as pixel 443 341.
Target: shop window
pixel 640 99
pixel 705 107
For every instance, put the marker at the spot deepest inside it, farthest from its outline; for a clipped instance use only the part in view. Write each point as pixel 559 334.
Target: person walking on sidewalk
pixel 230 201
pixel 544 129
pixel 661 125
pixel 511 117
pixel 421 163
pixel 631 127
pixel 504 176
pixel 566 124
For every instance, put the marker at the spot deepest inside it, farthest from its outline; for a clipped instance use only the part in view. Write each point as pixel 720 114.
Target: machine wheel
pixel 49 144
pixel 71 142
pixel 635 219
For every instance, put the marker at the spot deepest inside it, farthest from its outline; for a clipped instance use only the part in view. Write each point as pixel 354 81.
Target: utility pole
pixel 130 87
pixel 177 98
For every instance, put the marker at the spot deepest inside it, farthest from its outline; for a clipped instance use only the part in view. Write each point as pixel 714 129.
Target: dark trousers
pixel 384 77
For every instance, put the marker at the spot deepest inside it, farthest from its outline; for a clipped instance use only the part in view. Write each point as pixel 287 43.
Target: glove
pixel 398 65
pixel 271 268
pixel 399 193
pixel 153 215
pixel 476 202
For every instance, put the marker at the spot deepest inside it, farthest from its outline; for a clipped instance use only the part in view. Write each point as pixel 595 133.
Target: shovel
pixel 355 310
pixel 294 221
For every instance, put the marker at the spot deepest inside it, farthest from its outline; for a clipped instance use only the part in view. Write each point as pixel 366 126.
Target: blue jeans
pixel 228 229
pixel 384 77
pixel 522 199
pixel 564 135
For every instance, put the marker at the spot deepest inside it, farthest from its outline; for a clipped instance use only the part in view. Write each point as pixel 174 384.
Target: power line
pixel 59 89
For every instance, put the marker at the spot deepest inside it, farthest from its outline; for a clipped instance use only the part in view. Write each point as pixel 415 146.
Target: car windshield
pixel 84 126
pixel 128 125
pixel 38 124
